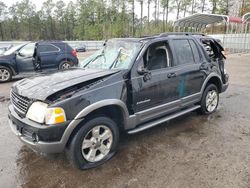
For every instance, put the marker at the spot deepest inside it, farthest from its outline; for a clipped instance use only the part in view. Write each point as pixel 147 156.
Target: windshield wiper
pixel 100 55
pixel 116 59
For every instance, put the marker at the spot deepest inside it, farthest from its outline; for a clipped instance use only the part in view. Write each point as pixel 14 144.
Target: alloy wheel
pixel 4 75
pixel 97 143
pixel 65 66
pixel 211 100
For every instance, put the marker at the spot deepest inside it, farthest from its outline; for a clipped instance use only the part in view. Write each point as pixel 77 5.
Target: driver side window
pixel 27 50
pixel 157 56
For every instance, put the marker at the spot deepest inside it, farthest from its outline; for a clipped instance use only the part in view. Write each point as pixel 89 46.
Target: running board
pixel 162 120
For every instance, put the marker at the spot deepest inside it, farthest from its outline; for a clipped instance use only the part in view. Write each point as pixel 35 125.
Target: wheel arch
pixel 9 66
pixel 114 109
pixel 213 79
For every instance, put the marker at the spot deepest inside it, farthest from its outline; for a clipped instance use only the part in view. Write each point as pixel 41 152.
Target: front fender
pixel 82 114
pixel 101 104
pixel 9 66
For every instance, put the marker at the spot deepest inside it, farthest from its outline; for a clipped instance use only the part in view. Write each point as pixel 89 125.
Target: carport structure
pixel 236 31
pixel 198 22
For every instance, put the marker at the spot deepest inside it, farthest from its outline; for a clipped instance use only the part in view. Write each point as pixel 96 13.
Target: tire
pixel 5 74
pixel 210 96
pixel 84 138
pixel 64 65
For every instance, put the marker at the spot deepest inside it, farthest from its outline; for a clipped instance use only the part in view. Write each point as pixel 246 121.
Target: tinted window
pixel 183 51
pixel 195 51
pixel 27 50
pixel 47 48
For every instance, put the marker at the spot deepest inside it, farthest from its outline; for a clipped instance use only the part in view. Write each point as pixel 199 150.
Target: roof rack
pixel 180 33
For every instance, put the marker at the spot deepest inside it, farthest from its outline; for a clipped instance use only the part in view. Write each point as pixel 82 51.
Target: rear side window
pixel 183 52
pixel 48 48
pixel 195 51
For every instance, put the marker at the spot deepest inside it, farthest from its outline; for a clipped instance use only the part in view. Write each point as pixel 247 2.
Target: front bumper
pixel 31 133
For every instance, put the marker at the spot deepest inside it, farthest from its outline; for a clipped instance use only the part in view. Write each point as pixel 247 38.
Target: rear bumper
pixel 225 86
pixel 75 61
pixel 29 133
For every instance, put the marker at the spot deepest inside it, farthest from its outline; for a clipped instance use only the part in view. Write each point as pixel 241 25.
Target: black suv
pixel 130 85
pixel 33 57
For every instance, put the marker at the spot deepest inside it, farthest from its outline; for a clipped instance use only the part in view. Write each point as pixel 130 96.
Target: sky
pixel 39 3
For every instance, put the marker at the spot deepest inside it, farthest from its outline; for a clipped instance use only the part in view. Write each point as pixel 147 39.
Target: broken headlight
pixel 40 113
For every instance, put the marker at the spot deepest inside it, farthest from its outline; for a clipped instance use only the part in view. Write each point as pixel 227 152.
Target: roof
pixel 202 20
pixel 50 42
pixel 145 39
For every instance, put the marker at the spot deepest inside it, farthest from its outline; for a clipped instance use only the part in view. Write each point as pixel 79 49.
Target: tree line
pixel 98 19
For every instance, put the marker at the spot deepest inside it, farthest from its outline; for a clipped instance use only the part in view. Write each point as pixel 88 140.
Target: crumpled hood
pixel 43 86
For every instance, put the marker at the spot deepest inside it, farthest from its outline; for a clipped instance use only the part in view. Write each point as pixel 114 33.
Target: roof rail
pixel 180 33
pixel 54 41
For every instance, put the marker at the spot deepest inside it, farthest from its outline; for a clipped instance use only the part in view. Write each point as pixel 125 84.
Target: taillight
pixel 74 53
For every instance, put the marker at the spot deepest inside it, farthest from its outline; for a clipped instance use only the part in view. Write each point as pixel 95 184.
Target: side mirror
pixel 19 54
pixel 142 70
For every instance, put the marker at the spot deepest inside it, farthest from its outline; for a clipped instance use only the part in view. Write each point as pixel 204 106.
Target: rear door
pixel 48 55
pixel 188 67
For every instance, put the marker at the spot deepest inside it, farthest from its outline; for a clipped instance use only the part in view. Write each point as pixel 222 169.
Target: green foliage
pixel 95 19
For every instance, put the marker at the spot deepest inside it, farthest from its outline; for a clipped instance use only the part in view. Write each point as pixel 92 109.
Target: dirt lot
pixel 191 151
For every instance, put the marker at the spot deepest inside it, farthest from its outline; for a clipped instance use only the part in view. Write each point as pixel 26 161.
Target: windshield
pixel 13 49
pixel 116 54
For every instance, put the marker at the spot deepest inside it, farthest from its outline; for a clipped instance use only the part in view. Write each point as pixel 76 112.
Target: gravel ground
pixel 191 151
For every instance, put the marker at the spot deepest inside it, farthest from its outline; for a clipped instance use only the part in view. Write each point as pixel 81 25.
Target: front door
pixel 155 85
pixel 24 58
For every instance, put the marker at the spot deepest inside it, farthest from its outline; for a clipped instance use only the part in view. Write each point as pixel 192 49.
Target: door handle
pixel 172 75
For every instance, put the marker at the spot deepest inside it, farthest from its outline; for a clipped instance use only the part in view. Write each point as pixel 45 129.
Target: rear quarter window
pixel 48 48
pixel 195 50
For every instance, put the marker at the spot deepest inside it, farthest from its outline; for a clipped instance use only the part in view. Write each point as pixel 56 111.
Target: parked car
pixel 79 47
pixel 36 57
pixel 130 85
pixel 5 48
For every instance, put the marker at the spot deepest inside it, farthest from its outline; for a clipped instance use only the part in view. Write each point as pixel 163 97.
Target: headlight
pixel 39 112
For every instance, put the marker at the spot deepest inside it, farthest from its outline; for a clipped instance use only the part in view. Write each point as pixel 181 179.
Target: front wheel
pixel 210 100
pixel 5 74
pixel 94 143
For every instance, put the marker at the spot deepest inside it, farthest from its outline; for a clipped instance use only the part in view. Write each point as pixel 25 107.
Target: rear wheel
pixel 64 65
pixel 210 100
pixel 5 74
pixel 94 143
